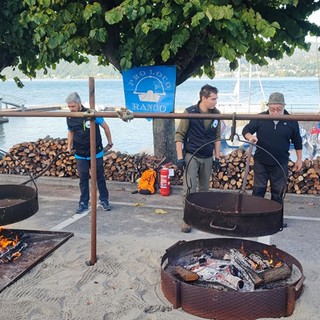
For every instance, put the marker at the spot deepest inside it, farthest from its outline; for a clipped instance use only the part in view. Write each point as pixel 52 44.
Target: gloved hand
pixel 181 164
pixel 216 165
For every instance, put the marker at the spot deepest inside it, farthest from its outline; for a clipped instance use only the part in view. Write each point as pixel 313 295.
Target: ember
pixel 12 243
pixel 236 271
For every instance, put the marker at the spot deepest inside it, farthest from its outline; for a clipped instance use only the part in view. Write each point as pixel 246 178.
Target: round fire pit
pixel 233 214
pixel 17 202
pixel 266 301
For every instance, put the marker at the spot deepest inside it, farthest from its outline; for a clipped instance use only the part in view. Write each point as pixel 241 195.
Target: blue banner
pixel 150 89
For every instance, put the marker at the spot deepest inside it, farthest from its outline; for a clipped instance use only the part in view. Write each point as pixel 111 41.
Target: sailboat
pixel 232 102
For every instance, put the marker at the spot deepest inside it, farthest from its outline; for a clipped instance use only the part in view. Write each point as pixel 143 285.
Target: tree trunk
pixel 163 139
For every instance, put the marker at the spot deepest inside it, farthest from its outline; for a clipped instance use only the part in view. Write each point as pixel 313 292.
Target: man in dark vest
pixel 198 150
pixel 79 140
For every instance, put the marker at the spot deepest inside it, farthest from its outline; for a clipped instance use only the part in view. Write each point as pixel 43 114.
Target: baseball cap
pixel 276 98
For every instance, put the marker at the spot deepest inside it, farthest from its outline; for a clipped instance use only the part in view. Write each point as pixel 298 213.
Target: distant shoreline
pixel 275 78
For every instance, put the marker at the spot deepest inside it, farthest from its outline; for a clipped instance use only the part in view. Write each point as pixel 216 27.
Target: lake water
pixel 301 94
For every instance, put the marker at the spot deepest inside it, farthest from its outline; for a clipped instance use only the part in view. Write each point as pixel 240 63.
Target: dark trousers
pixel 277 175
pixel 83 167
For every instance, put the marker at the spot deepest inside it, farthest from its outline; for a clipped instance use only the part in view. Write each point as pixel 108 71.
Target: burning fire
pixel 236 270
pixel 262 261
pixel 273 263
pixel 11 245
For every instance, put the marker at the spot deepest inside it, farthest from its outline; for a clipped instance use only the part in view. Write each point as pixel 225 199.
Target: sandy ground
pixel 125 281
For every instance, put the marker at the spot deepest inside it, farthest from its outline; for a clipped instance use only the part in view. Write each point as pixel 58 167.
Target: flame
pixel 273 263
pixel 6 244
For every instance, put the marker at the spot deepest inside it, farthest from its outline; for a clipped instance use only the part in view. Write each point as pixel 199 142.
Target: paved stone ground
pixel 156 217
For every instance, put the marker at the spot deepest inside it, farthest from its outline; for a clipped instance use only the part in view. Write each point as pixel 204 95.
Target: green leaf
pixel 30 3
pixel 145 28
pixel 165 11
pixel 101 35
pixel 114 16
pixel 265 29
pixel 142 11
pixel 45 3
pixel 233 65
pixel 219 12
pixel 195 21
pixel 125 64
pixel 179 39
pixel 52 43
pixel 165 54
pixel 18 82
pixel 133 15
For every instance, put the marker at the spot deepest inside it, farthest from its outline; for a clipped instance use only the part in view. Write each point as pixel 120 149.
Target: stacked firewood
pixel 305 181
pixel 49 157
pixel 128 168
pixel 232 171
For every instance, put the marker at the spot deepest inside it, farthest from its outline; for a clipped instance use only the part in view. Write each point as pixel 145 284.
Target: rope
pixel 125 114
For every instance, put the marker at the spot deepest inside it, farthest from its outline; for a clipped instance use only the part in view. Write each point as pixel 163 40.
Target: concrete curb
pixel 116 185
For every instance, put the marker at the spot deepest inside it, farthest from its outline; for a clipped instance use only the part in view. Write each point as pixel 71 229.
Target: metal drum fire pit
pixel 17 202
pixel 233 214
pixel 204 301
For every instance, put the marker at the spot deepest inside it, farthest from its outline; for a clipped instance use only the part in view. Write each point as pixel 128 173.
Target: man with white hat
pixel 274 136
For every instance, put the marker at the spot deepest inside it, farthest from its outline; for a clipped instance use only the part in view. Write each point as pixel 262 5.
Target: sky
pixel 315 17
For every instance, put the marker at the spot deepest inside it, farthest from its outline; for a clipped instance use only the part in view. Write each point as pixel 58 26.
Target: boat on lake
pixel 235 101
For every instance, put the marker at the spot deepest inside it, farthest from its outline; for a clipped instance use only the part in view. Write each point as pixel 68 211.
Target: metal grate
pixel 40 245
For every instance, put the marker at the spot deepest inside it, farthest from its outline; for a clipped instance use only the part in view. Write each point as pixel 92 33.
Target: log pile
pixel 46 154
pixel 231 173
pixel 305 181
pixel 48 157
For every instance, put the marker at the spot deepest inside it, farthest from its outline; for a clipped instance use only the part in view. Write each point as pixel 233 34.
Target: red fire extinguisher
pixel 164 182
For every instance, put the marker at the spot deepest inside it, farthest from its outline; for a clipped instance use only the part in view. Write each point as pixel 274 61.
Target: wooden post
pixel 93 172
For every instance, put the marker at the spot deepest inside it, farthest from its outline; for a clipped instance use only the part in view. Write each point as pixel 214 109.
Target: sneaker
pixel 185 228
pixel 83 208
pixel 104 205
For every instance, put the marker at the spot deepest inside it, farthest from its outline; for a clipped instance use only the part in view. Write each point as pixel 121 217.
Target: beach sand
pixel 125 281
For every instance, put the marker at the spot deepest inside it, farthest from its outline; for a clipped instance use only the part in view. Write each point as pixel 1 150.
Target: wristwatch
pixel 110 145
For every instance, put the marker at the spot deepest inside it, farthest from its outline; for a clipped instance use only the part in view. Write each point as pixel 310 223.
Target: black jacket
pixel 275 138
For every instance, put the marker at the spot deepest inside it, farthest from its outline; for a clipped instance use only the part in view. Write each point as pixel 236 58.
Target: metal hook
pixel 233 127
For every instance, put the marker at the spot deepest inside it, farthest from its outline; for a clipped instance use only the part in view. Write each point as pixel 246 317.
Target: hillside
pixel 300 64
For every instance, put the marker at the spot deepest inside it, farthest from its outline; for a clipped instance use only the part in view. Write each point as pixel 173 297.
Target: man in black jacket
pixel 79 139
pixel 197 145
pixel 274 136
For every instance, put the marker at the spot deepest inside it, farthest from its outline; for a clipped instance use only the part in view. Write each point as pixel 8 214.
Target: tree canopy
pixel 191 34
